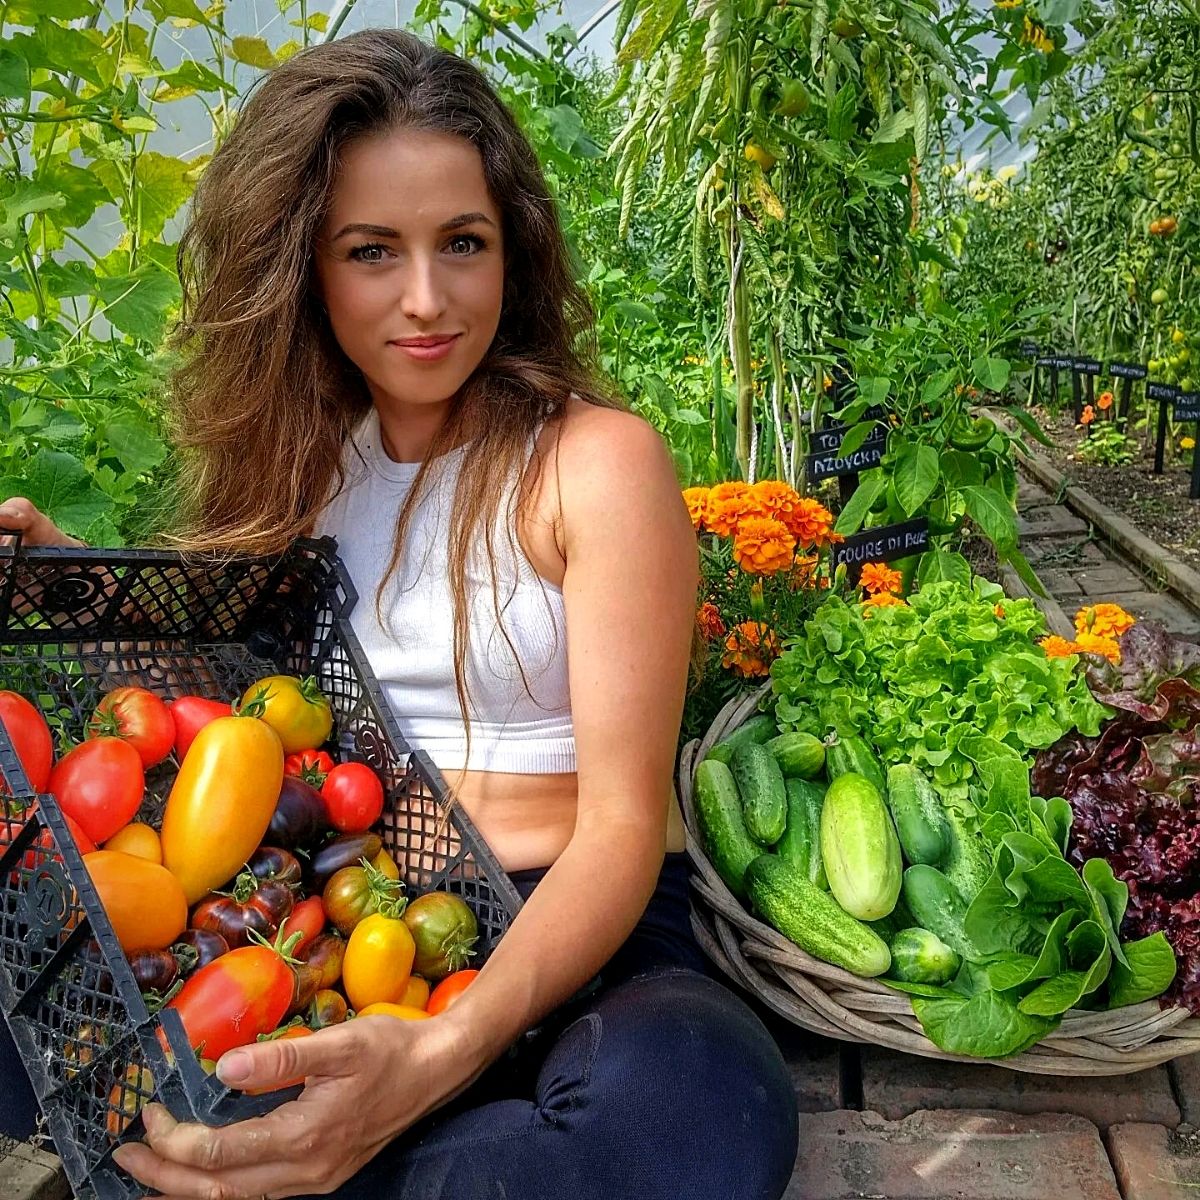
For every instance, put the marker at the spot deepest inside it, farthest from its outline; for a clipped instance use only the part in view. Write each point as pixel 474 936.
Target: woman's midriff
pixel 527 820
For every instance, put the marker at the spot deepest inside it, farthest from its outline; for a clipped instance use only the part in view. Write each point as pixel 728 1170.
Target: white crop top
pixel 511 730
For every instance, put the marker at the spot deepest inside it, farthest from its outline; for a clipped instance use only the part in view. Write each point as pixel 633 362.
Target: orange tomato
pixel 139 840
pixel 144 902
pixel 221 802
pixel 378 962
pixel 449 990
pixel 416 992
pixel 402 1012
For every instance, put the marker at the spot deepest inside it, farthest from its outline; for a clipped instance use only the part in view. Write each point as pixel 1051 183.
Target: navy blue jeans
pixel 655 1082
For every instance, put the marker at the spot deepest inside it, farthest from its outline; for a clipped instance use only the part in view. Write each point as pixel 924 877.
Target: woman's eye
pixel 470 238
pixel 359 252
pixel 366 253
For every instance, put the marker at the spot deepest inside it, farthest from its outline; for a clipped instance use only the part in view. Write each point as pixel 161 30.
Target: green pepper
pixel 973 435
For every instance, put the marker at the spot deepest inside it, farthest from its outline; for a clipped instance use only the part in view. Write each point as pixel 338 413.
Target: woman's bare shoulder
pixel 593 441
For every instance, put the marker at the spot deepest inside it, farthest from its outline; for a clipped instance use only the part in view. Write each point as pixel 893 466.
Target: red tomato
pixel 310 765
pixel 140 718
pixel 30 736
pixel 235 998
pixel 12 821
pixel 100 784
pixel 190 715
pixel 308 919
pixel 449 990
pixel 353 796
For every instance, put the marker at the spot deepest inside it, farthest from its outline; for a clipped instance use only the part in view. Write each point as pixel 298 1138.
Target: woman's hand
pixel 366 1082
pixel 35 527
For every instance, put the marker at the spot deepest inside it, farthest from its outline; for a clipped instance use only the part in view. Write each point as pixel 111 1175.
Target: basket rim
pixel 831 1001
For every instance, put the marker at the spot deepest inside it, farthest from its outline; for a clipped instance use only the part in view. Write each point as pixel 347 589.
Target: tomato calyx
pixel 106 723
pixel 256 706
pixel 283 945
pixel 310 765
pixel 389 893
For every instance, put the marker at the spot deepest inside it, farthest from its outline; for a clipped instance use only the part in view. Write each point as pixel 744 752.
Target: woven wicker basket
pixel 829 1000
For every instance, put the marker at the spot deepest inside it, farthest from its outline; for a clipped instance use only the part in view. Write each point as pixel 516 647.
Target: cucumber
pixel 859 848
pixel 852 755
pixel 919 956
pixel 722 827
pixel 968 865
pixel 936 905
pixel 920 820
pixel 758 729
pixel 764 798
pixel 812 919
pixel 800 845
pixel 799 755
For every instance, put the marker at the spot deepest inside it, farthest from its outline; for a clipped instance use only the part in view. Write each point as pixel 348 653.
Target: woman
pixel 528 576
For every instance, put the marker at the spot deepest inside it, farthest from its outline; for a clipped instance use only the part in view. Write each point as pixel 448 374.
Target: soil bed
pixel 1157 504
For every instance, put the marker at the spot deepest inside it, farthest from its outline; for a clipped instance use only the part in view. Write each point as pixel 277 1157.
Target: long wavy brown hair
pixel 263 398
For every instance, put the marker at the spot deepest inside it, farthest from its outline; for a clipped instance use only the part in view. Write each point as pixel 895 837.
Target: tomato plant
pixel 139 717
pixel 353 797
pixel 294 708
pixel 100 784
pixel 30 736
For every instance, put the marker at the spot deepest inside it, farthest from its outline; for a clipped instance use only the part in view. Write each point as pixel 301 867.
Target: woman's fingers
pixel 36 528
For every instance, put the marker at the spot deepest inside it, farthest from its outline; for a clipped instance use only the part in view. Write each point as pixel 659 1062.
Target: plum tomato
pixel 353 797
pixel 138 717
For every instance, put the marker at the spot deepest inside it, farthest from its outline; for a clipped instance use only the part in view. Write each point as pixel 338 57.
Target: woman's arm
pixel 630 595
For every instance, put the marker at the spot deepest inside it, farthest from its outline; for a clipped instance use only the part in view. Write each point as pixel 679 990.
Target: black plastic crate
pixel 73 625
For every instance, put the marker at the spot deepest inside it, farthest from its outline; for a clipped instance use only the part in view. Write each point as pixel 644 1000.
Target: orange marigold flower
pixel 708 620
pixel 881 600
pixel 1090 643
pixel 776 498
pixel 1058 647
pixel 1104 620
pixel 696 499
pixel 999 611
pixel 1105 401
pixel 1089 415
pixel 810 523
pixel 762 545
pixel 750 649
pixel 728 503
pixel 879 577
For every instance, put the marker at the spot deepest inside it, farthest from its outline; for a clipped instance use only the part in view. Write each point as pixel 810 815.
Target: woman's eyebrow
pixel 383 230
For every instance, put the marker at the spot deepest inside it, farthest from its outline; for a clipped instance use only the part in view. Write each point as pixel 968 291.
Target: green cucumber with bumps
pixel 764 796
pixel 729 847
pixel 859 848
pixel 800 845
pixel 758 729
pixel 799 755
pixel 852 756
pixel 936 905
pixel 920 819
pixel 969 863
pixel 813 919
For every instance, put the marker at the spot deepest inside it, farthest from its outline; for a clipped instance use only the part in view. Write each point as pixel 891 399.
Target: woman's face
pixel 397 260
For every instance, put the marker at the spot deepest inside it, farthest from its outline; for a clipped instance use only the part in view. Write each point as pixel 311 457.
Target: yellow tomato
pixel 416 992
pixel 402 1012
pixel 757 154
pixel 139 840
pixel 385 864
pixel 294 708
pixel 378 962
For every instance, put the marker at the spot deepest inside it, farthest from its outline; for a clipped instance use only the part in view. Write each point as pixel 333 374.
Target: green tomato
pixel 1159 296
pixel 1187 384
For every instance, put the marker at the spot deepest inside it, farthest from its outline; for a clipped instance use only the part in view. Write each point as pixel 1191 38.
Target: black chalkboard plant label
pixel 884 543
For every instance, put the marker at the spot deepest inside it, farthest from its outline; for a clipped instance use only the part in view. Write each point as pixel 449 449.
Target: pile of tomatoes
pixel 264 905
